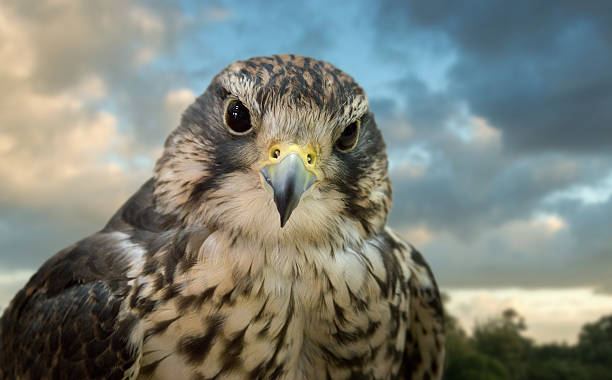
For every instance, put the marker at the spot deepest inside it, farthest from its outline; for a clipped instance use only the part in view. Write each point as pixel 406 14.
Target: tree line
pixel 498 350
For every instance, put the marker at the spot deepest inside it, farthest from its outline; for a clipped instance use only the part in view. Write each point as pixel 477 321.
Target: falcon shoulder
pixel 425 341
pixel 73 319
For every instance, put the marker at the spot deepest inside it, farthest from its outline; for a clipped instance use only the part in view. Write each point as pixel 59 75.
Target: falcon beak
pixel 290 172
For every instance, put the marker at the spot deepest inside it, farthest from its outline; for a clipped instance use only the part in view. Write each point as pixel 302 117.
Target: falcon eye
pixel 237 117
pixel 348 139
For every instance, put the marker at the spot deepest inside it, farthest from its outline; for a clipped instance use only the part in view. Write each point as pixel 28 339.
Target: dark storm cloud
pixel 571 265
pixel 526 252
pixel 467 186
pixel 416 113
pixel 467 189
pixel 539 71
pixel 591 222
pixel 426 109
pixel 539 74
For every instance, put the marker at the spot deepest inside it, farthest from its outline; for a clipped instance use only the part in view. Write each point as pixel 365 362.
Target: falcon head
pixel 280 148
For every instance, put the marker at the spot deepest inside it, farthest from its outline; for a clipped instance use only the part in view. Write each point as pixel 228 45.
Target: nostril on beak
pixel 275 153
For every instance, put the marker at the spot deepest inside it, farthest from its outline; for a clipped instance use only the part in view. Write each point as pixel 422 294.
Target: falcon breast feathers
pixel 258 250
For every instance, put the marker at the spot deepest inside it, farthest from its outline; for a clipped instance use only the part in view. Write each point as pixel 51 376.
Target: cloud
pixel 10 283
pixel 176 102
pixel 218 14
pixel 505 145
pixel 483 134
pixel 67 40
pixel 56 159
pixel 597 193
pixel 51 141
pixel 538 73
pixel 16 55
pixel 419 235
pixel 488 213
pixel 109 49
pixel 67 160
pixel 570 248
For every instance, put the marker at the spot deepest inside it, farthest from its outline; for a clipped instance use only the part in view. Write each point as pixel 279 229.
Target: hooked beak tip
pixel 289 179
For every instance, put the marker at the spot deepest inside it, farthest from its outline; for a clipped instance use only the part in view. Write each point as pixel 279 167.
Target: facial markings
pixel 296 82
pixel 290 99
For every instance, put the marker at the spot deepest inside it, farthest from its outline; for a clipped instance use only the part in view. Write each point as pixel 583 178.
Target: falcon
pixel 258 250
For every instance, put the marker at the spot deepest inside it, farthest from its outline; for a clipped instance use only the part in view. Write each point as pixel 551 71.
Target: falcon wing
pixel 425 342
pixel 71 321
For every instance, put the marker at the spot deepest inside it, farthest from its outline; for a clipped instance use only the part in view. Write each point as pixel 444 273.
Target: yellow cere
pixel 278 151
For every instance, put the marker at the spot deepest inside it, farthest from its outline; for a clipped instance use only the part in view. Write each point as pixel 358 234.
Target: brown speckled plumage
pixel 194 278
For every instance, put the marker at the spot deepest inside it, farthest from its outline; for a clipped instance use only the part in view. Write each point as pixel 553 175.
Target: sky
pixel 497 117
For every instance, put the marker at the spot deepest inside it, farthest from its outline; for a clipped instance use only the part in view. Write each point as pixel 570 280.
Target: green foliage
pixel 557 369
pixel 477 367
pixel 595 342
pixel 498 350
pixel 501 338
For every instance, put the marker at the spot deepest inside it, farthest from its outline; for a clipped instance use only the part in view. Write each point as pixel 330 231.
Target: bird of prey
pixel 258 250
